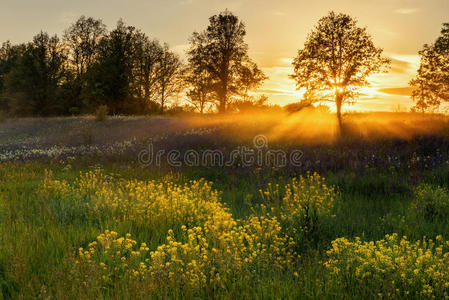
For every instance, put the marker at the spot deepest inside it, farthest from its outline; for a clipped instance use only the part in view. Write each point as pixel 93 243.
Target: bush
pixel 431 201
pixel 308 201
pixel 74 110
pixel 101 113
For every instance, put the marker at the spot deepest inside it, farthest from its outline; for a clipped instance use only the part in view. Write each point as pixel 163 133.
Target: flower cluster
pixel 307 201
pixel 392 267
pixel 308 197
pixel 206 247
pixel 112 258
pixel 161 204
pixel 201 257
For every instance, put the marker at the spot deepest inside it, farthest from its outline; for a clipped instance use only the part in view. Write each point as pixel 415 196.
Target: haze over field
pixel 275 33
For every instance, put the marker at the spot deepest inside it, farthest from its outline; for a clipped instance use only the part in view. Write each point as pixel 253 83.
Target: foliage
pixel 252 104
pixel 392 267
pixel 164 205
pixel 34 85
pixel 221 52
pixel 209 257
pixel 200 88
pixel 101 113
pixel 205 249
pixel 123 69
pixel 82 39
pixel 337 58
pixel 169 72
pixel 307 202
pixel 233 250
pixel 431 84
pixel 298 106
pixel 431 202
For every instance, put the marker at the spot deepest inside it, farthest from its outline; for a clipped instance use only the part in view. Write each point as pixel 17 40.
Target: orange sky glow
pixel 275 31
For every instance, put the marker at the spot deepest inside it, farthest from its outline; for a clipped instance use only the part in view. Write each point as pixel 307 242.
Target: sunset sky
pixel 275 31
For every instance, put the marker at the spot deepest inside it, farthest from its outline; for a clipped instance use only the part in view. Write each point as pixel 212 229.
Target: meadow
pixel 364 215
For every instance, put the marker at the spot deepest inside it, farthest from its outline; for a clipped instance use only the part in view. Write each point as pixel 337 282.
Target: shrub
pixel 101 113
pixel 431 201
pixel 392 267
pixel 74 110
pixel 307 202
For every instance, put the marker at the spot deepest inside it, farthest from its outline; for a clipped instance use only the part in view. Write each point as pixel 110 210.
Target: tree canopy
pixel 336 61
pixel 431 84
pixel 221 51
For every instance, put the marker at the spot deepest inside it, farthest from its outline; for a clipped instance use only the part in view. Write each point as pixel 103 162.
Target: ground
pixel 363 213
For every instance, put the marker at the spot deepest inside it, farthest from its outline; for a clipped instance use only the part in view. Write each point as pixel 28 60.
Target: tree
pixel 221 51
pixel 251 77
pixel 169 76
pixel 199 85
pixel 82 39
pixel 337 58
pixel 110 78
pixel 9 57
pixel 34 84
pixel 148 56
pixel 132 72
pixel 431 84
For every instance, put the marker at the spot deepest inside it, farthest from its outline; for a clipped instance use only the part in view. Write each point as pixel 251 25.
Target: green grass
pixel 38 238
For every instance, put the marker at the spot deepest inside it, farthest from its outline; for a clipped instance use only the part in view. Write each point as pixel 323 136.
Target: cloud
pixel 400 66
pixel 406 11
pixel 278 92
pixel 400 91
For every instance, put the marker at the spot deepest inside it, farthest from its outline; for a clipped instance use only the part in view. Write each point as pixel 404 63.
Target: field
pixel 87 210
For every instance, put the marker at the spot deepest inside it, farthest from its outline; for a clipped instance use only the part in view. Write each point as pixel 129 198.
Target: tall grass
pixel 86 233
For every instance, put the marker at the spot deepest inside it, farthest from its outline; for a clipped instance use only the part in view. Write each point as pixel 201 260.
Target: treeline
pixel 126 70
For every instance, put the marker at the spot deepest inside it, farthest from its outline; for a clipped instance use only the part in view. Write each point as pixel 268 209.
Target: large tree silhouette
pixel 221 51
pixel 33 85
pixel 431 84
pixel 337 58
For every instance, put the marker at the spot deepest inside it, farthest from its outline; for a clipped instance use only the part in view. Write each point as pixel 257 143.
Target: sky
pixel 275 32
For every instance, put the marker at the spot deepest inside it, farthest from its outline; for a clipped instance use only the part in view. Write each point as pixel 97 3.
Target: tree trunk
pixel 338 103
pixel 162 99
pixel 222 104
pixel 224 95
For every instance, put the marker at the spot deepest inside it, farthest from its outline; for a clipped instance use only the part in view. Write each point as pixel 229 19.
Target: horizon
pixel 403 30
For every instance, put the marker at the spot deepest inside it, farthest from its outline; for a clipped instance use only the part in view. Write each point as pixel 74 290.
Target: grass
pixel 34 231
pixel 279 247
